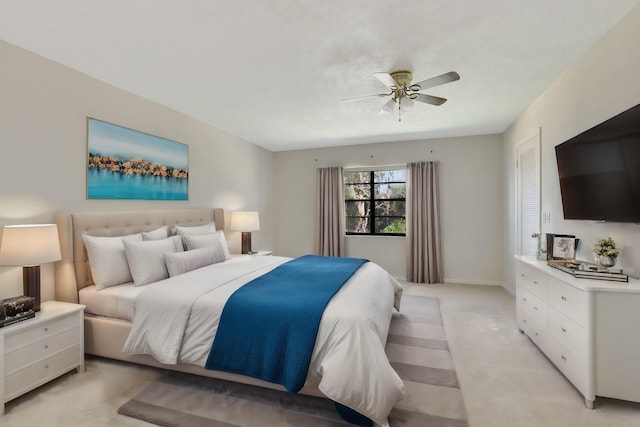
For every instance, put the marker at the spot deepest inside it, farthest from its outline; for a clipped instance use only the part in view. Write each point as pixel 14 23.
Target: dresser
pixel 37 350
pixel 589 329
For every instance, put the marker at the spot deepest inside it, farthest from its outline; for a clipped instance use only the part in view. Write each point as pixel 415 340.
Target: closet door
pixel 528 197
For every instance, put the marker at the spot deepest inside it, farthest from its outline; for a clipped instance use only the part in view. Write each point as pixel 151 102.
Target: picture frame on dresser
pixel 561 246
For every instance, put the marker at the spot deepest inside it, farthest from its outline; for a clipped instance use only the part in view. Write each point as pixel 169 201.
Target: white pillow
pixel 198 229
pixel 157 234
pixel 205 240
pixel 107 259
pixel 146 259
pixel 181 262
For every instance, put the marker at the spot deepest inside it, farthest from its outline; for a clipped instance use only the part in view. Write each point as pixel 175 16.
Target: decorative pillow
pixel 199 229
pixel 205 240
pixel 146 259
pixel 181 262
pixel 157 234
pixel 107 259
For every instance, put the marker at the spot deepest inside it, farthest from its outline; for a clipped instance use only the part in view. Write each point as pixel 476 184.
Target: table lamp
pixel 245 222
pixel 29 246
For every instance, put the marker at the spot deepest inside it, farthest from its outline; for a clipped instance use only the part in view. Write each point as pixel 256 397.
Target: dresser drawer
pixel 533 306
pixel 567 332
pixel 41 372
pixel 533 330
pixel 571 364
pixel 39 332
pixel 569 300
pixel 534 280
pixel 14 360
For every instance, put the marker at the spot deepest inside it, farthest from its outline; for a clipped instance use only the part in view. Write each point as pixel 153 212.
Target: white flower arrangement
pixel 606 247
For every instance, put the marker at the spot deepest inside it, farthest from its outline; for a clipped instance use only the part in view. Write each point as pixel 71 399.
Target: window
pixel 375 202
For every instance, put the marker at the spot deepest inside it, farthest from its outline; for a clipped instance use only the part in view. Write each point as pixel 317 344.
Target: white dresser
pixel 37 350
pixel 589 329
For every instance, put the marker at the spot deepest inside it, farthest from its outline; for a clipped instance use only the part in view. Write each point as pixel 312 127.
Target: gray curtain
pixel 424 254
pixel 330 226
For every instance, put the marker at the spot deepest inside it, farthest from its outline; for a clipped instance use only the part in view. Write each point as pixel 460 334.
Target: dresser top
pixel 589 285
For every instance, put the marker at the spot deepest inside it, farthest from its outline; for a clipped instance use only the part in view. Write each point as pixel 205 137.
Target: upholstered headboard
pixel 72 271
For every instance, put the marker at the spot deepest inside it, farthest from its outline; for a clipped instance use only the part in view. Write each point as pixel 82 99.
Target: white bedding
pixel 348 364
pixel 116 301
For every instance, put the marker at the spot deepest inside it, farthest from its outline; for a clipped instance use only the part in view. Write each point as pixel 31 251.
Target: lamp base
pixel 31 284
pixel 246 242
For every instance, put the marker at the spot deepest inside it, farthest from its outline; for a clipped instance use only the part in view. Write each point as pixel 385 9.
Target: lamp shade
pixel 245 221
pixel 31 244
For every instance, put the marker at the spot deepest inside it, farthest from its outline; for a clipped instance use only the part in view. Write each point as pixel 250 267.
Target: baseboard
pixel 472 282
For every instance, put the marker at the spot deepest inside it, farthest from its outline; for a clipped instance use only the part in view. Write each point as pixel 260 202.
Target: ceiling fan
pixel 403 93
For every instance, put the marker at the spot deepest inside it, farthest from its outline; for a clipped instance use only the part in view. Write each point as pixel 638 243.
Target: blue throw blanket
pixel 268 327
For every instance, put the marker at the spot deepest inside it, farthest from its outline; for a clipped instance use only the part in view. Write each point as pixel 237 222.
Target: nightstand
pixel 260 253
pixel 36 351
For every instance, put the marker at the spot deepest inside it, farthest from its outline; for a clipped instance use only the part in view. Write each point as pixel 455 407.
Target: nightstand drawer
pixel 14 360
pixel 41 372
pixel 39 332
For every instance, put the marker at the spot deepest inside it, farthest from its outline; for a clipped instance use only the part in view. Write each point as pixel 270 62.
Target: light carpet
pixel 417 349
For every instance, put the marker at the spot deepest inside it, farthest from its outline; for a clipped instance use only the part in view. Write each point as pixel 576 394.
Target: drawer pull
pixel 46 346
pixel 46 366
pixel 563 329
pixel 524 299
pixel 563 358
pixel 535 308
pixel 524 320
pixel 535 282
pixel 46 329
pixel 563 298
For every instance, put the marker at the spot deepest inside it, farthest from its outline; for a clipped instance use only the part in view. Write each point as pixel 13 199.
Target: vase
pixel 607 261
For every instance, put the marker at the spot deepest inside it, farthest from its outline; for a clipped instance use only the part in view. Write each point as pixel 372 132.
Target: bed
pixel 113 324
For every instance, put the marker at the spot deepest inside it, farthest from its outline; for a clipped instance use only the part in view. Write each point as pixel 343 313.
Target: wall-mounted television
pixel 599 171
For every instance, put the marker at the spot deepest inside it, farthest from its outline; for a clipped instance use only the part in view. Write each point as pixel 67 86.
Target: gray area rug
pixel 418 351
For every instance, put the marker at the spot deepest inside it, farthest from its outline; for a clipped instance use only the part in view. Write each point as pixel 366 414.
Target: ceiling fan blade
pixel 386 79
pixel 428 99
pixel 388 107
pixel 449 77
pixel 365 97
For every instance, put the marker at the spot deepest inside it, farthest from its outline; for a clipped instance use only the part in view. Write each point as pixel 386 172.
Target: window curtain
pixel 424 254
pixel 330 221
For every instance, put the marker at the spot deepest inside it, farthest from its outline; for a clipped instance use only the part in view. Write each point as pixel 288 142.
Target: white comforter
pixel 175 320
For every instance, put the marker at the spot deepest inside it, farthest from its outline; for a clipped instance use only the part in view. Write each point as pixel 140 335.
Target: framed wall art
pixel 126 164
pixel 561 246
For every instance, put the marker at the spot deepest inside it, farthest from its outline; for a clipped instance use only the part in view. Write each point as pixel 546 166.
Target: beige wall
pixel 471 203
pixel 43 113
pixel 603 83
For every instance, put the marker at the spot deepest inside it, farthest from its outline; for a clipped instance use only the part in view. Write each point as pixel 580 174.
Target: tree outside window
pixel 375 202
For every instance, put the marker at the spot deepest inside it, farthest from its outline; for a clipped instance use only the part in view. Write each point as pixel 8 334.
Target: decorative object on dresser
pixel 246 222
pixel 606 252
pixel 587 328
pixel 29 246
pixel 35 352
pixel 561 246
pixel 16 309
pixel 588 270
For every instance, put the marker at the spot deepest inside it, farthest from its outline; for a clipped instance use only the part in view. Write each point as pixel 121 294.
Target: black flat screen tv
pixel 599 171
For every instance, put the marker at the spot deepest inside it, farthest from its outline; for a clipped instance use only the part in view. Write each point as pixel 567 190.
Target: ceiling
pixel 274 72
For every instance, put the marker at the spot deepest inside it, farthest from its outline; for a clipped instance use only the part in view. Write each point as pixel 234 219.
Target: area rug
pixel 418 351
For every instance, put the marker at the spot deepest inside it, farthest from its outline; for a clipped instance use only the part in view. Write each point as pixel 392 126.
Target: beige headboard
pixel 73 272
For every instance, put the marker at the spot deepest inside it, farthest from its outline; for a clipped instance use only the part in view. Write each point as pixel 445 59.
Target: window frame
pixel 372 200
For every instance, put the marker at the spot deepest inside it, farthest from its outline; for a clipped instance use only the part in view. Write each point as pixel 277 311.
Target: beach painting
pixel 126 164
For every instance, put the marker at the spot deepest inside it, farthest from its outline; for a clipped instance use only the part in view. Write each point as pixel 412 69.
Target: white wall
pixel 471 203
pixel 603 83
pixel 43 112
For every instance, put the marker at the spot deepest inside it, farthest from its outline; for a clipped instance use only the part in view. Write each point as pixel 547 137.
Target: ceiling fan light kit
pixel 404 94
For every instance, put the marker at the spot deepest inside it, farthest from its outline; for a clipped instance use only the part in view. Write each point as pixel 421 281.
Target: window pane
pixel 357 225
pixel 357 191
pixel 356 177
pixel 357 208
pixel 390 225
pixel 390 208
pixel 398 175
pixel 390 191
